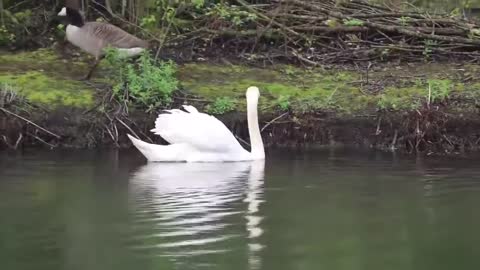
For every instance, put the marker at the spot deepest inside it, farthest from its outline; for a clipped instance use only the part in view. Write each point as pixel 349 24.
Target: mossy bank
pixel 412 107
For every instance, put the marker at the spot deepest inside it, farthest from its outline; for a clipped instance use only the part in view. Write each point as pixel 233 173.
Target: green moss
pixel 39 59
pixel 411 98
pixel 45 60
pixel 221 105
pixel 473 89
pixel 407 98
pixel 283 88
pixel 42 89
pixel 40 55
pixel 306 90
pixel 45 77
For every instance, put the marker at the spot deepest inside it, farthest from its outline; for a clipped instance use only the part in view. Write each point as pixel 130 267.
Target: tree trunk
pixel 131 11
pixel 108 6
pixel 2 22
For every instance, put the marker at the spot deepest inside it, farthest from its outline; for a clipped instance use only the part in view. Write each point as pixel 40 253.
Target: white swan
pixel 199 137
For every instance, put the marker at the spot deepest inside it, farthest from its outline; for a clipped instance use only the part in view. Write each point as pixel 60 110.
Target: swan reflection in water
pixel 188 209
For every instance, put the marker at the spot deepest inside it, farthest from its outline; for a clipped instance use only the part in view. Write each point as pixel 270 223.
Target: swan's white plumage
pixel 198 137
pixel 190 109
pixel 63 12
pixel 202 131
pixel 155 152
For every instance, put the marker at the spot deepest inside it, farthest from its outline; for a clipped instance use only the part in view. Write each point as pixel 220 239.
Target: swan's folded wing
pixel 190 109
pixel 201 131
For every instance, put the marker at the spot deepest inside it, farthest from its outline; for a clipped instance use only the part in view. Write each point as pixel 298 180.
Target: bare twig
pixel 242 140
pixel 125 125
pixel 394 141
pixel 265 17
pixel 30 122
pixel 17 143
pixel 41 140
pixel 19 139
pixel 378 131
pixel 273 120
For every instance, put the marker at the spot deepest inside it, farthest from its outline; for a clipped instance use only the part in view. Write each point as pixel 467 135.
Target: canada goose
pixel 94 37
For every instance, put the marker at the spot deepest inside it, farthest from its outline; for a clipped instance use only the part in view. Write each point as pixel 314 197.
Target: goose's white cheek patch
pixel 63 12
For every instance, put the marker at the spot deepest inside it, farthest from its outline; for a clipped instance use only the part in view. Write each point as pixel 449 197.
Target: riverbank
pixel 420 107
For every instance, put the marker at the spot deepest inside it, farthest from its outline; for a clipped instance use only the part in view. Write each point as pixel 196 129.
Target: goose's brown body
pixel 94 37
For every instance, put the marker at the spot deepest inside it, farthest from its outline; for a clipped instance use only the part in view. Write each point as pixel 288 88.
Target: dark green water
pixel 326 210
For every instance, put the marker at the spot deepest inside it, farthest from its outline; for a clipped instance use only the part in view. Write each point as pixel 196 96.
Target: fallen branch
pixel 324 31
pixel 125 125
pixel 30 122
pixel 273 120
pixel 17 143
pixel 41 140
pixel 242 140
pixel 265 17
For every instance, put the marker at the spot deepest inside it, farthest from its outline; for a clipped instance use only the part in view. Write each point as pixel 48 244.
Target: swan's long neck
pixel 253 129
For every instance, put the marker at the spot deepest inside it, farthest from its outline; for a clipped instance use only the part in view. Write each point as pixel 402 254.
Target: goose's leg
pixel 92 68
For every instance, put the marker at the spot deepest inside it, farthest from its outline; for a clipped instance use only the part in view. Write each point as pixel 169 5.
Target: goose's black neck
pixel 75 17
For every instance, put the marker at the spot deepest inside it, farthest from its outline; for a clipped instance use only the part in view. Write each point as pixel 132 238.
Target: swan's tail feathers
pixel 156 152
pixel 190 109
pixel 143 147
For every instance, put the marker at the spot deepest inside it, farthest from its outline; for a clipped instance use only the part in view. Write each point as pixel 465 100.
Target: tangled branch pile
pixel 325 31
pixel 306 31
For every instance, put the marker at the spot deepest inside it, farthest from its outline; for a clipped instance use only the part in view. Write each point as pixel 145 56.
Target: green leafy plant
pixel 385 53
pixel 198 3
pixel 353 22
pixel 467 3
pixel 429 46
pixel 9 95
pixel 146 84
pixel 148 22
pixel 284 102
pixel 474 33
pixel 5 36
pixel 289 71
pixel 456 12
pixel 404 20
pixel 16 27
pixel 439 90
pixel 221 105
pixel 231 14
pixel 60 31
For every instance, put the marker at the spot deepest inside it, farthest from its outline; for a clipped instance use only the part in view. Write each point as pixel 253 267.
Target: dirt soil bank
pixel 420 107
